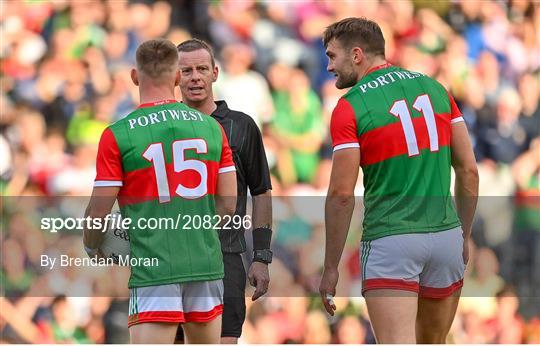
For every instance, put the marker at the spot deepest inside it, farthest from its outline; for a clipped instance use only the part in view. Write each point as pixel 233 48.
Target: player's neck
pixel 208 106
pixel 372 65
pixel 155 93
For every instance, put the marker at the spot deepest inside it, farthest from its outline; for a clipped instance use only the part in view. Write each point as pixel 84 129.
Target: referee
pixel 199 72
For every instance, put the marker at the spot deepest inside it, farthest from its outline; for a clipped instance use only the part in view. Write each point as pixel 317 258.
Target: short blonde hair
pixel 157 58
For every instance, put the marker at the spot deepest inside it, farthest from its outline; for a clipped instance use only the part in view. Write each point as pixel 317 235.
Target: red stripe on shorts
pixel 204 316
pixel 389 284
pixel 156 316
pixel 442 292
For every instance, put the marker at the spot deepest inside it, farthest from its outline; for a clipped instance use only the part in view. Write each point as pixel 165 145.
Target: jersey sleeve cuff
pixel 107 183
pixel 346 146
pixel 457 120
pixel 227 169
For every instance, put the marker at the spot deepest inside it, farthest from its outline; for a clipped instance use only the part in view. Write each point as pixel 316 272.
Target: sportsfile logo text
pixel 110 221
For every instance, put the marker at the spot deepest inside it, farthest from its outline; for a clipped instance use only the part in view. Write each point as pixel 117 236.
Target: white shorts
pixel 430 264
pixel 200 301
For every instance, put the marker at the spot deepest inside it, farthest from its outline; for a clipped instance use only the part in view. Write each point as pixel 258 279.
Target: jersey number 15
pixel 154 153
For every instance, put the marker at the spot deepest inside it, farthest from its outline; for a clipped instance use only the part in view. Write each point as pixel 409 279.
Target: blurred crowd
pixel 65 76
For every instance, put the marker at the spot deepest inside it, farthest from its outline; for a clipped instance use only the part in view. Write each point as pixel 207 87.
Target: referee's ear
pixel 215 73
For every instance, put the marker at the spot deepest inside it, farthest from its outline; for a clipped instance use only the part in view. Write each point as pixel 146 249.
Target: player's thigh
pixel 203 307
pixel 234 303
pixel 435 317
pixel 440 286
pixel 154 313
pixel 392 314
pixel 152 333
pixel 203 332
pixel 390 282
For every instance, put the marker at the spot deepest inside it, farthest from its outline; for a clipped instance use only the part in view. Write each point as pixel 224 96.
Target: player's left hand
pixel 259 278
pixel 327 289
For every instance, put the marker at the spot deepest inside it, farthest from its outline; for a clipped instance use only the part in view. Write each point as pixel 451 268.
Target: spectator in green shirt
pixel 299 129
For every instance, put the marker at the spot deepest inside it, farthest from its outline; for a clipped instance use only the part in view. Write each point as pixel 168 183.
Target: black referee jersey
pixel 252 170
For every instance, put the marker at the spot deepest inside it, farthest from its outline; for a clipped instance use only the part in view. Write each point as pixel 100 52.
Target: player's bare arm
pixel 466 187
pixel 226 194
pixel 262 219
pixel 100 205
pixel 338 212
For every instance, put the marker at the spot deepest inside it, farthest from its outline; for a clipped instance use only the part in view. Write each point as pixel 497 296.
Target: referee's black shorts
pixel 234 304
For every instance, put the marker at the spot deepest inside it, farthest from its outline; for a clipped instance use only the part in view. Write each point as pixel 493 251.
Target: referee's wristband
pixel 262 236
pixel 91 252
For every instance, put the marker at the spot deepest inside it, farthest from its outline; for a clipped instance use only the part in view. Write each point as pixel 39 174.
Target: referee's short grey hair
pixel 196 44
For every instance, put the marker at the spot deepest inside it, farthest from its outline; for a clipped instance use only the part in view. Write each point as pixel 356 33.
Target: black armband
pixel 262 237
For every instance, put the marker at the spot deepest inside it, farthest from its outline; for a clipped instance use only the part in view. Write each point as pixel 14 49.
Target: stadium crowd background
pixel 65 76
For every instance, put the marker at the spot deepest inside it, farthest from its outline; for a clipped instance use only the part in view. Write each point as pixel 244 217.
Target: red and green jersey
pixel 401 121
pixel 166 157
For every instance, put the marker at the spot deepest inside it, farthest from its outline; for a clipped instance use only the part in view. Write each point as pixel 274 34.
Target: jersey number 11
pixel 422 104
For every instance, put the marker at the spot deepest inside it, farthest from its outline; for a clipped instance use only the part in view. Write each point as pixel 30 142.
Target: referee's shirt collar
pixel 221 110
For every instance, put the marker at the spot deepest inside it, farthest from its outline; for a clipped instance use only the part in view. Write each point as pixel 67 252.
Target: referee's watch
pixel 263 256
